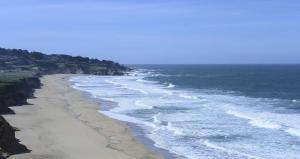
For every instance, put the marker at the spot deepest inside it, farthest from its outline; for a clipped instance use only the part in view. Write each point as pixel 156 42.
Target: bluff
pixel 15 89
pixel 8 143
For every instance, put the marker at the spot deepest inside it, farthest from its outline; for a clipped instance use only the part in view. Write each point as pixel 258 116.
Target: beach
pixel 60 123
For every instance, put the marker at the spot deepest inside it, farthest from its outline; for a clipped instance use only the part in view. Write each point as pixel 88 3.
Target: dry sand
pixel 60 124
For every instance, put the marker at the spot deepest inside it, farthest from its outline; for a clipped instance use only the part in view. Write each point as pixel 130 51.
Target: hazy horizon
pixel 156 32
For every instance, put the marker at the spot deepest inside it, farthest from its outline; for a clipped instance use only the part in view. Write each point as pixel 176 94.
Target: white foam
pixel 104 98
pixel 127 105
pixel 255 121
pixel 293 131
pixel 156 120
pixel 126 118
pixel 167 92
pixel 135 89
pixel 112 82
pixel 170 85
pixel 188 96
pixel 142 81
pixel 214 146
pixel 175 130
pixel 142 105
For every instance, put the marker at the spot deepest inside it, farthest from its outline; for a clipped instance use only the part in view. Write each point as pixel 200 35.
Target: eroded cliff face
pixel 8 143
pixel 13 93
pixel 16 93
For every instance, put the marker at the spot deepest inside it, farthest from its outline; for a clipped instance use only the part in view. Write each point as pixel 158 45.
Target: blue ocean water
pixel 208 111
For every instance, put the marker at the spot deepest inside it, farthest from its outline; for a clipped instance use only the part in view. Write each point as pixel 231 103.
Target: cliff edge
pixel 15 89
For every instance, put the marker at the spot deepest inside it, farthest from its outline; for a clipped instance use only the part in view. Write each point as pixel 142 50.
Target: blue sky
pixel 155 32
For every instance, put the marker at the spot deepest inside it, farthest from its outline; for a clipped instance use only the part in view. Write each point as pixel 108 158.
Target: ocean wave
pixel 159 75
pixel 142 105
pixel 255 121
pixel 135 89
pixel 141 80
pixel 228 151
pixel 170 85
pixel 166 125
pixel 107 99
pixel 126 118
pixel 188 96
pixel 293 131
pixel 175 130
pixel 112 82
pixel 155 119
pixel 168 92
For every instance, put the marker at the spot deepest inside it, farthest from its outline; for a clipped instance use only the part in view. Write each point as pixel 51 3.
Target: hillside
pixel 40 63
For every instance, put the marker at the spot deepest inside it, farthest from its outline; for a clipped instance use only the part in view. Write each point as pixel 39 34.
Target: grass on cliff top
pixel 10 77
pixel 95 68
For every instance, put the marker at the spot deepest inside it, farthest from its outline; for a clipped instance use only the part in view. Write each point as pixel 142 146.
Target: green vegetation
pixel 13 77
pixel 39 63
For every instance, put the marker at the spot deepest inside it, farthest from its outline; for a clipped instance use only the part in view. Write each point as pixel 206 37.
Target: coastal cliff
pixel 14 92
pixel 8 143
pixel 15 89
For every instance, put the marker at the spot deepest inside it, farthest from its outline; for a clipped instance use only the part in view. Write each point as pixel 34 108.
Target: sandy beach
pixel 60 124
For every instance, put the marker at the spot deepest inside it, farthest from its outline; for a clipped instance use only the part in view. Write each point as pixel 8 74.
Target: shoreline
pixel 61 123
pixel 138 132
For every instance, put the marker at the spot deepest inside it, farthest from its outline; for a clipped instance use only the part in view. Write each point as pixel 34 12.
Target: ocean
pixel 206 111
